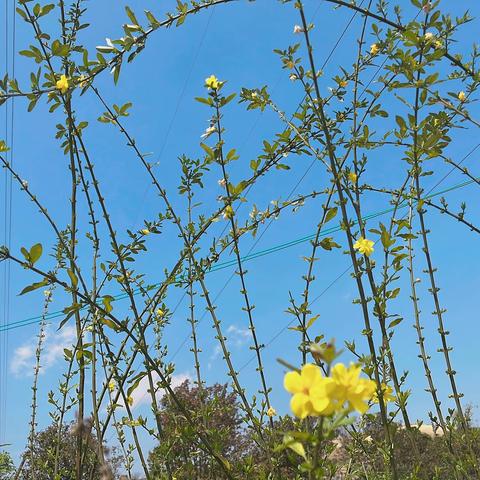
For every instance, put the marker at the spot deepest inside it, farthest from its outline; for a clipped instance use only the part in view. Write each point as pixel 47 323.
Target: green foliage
pixel 7 468
pixel 401 101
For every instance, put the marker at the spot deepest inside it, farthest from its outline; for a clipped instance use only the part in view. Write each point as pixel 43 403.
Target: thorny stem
pixel 248 307
pixel 346 223
pixel 417 169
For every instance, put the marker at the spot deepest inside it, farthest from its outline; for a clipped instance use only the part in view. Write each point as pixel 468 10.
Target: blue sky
pixel 235 42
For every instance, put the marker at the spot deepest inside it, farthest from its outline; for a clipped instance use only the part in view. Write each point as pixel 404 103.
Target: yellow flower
pixel 429 36
pixel 343 83
pixel 111 385
pixel 130 400
pixel 364 246
pixel 374 49
pixel 387 394
pixel 62 84
pixel 312 393
pixel 82 79
pixel 212 82
pixel 352 176
pixel 350 388
pixel 228 212
pixel 438 44
pixel 271 412
pixel 145 231
pixel 461 96
pixel 160 313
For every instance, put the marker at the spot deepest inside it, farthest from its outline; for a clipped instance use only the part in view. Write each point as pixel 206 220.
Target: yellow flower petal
pixel 310 375
pixel 293 382
pixel 300 405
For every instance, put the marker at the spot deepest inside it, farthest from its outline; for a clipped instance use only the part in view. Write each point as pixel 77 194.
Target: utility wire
pixel 8 195
pixel 349 268
pixel 261 253
pixel 182 94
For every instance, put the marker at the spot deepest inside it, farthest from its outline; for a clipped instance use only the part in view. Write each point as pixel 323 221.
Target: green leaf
pixel 135 383
pixel 131 15
pixel 206 101
pixel 328 244
pixel 107 302
pixel 35 253
pixel 34 286
pixel 312 321
pixel 332 212
pixel 295 446
pixel 109 323
pixel 394 322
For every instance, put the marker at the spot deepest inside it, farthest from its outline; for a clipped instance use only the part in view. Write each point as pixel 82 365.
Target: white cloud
pixel 23 360
pixel 236 336
pixel 141 394
pixel 239 336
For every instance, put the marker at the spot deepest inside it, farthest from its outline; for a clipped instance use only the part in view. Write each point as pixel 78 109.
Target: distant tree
pixel 39 464
pixel 216 414
pixel 7 468
pixel 418 455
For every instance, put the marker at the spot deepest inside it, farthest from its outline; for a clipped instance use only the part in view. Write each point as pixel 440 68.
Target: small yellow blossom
pixel 312 392
pixel 130 400
pixel 271 412
pixel 438 44
pixel 364 246
pixel 212 82
pixel 429 36
pixel 62 84
pixel 387 394
pixel 350 388
pixel 111 385
pixel 160 312
pixel 352 176
pixel 343 83
pixel 228 212
pixel 374 49
pixel 82 80
pixel 293 77
pixel 461 96
pixel 145 231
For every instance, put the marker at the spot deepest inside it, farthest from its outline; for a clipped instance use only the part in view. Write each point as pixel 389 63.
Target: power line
pixel 33 320
pixel 8 195
pixel 261 253
pixel 344 272
pixel 182 94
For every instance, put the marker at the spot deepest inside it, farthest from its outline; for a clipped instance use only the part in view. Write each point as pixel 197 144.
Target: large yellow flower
pixel 212 82
pixel 351 389
pixel 312 392
pixel 364 246
pixel 62 84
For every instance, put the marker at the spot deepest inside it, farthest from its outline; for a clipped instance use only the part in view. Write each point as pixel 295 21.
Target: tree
pixel 216 414
pixel 40 461
pixel 7 468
